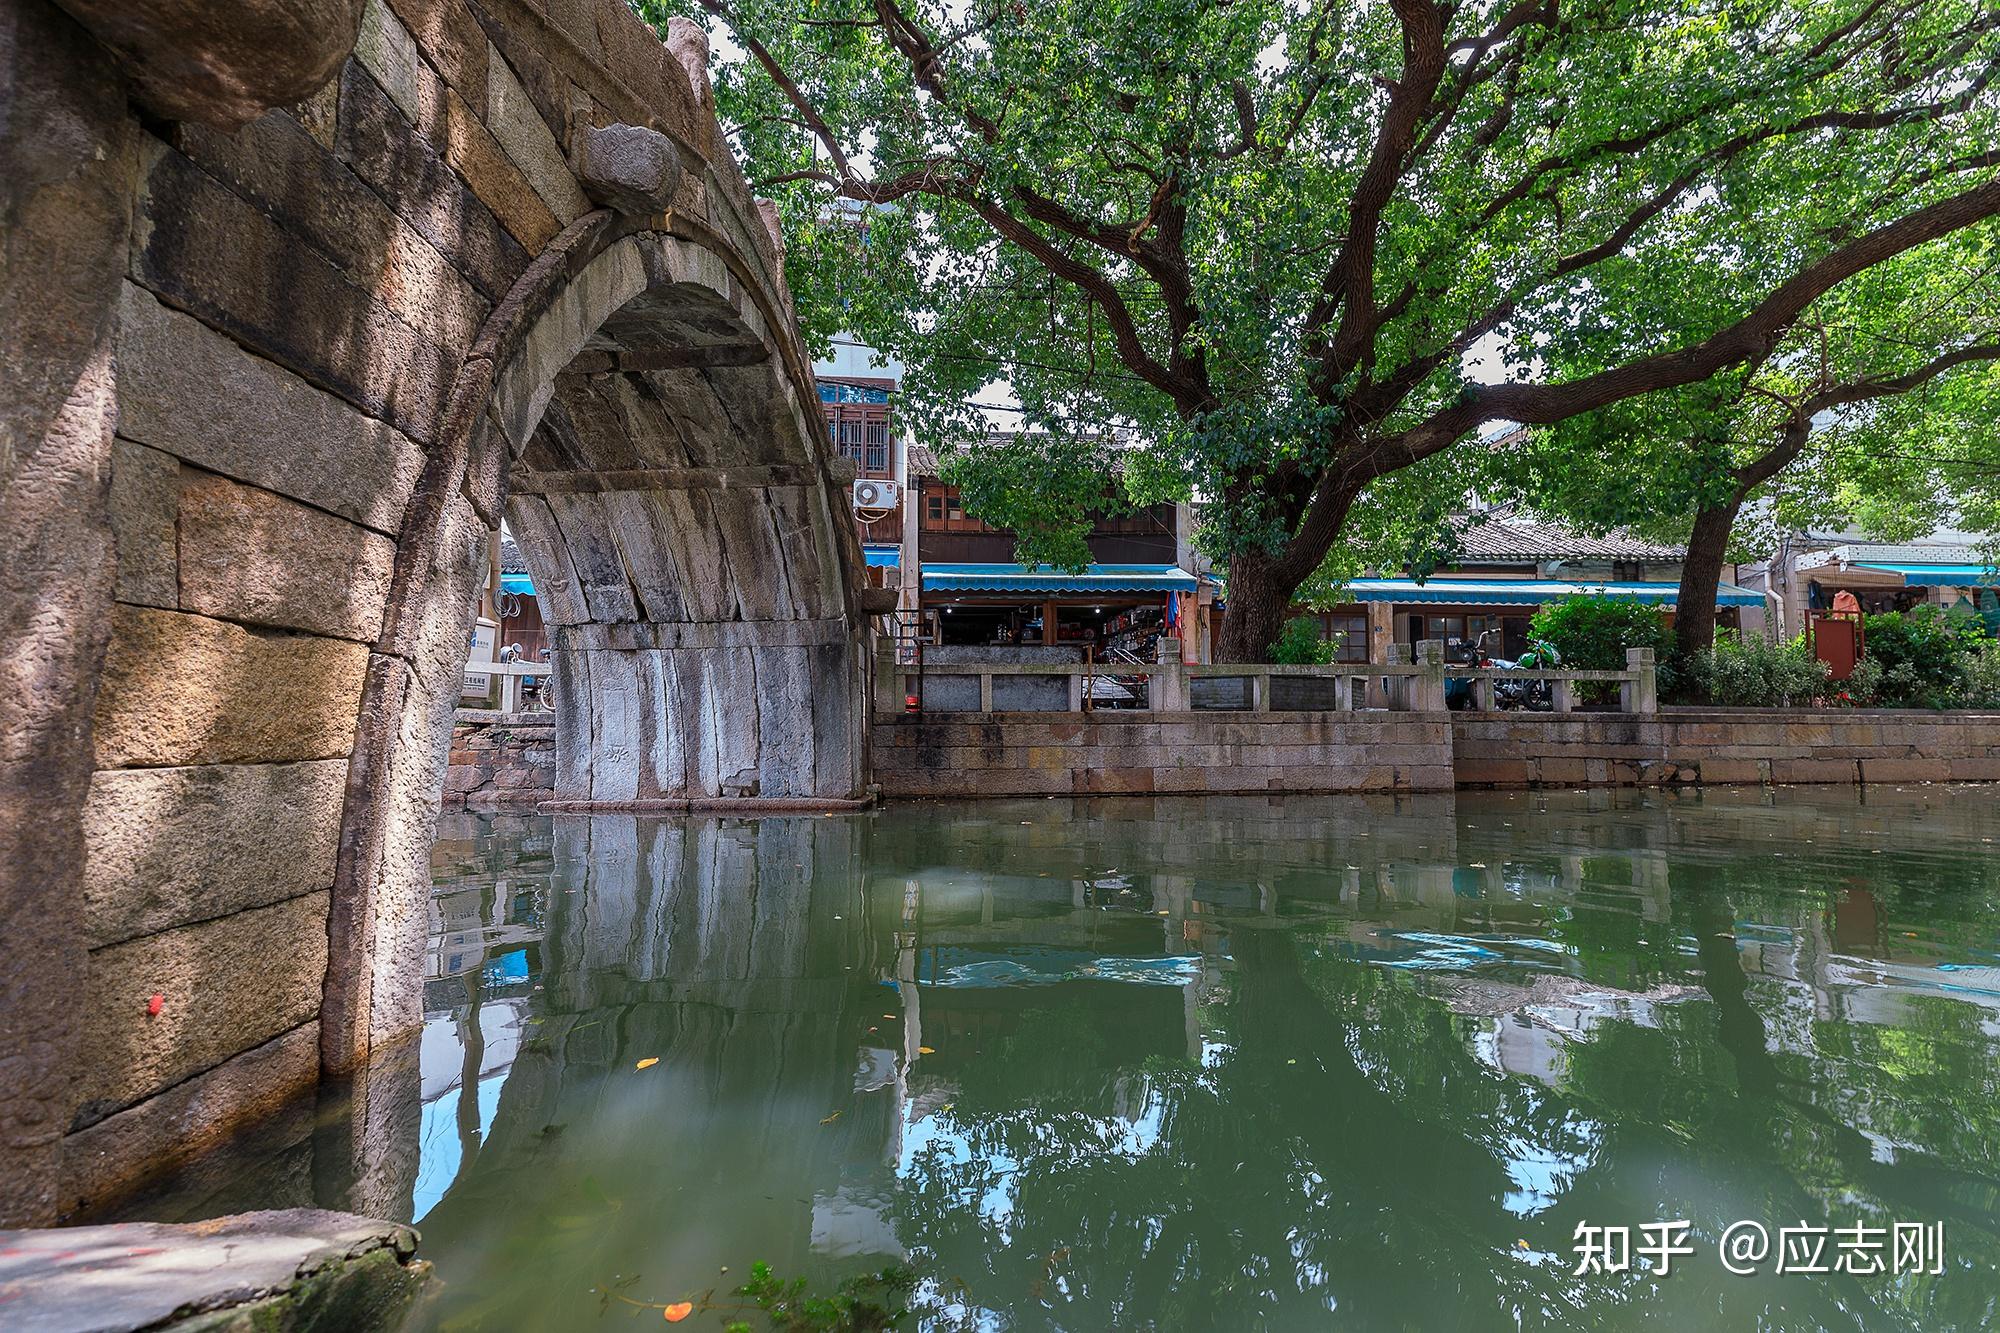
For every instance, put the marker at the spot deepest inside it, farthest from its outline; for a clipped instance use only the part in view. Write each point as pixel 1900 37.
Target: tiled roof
pixel 923 463
pixel 1512 537
pixel 510 557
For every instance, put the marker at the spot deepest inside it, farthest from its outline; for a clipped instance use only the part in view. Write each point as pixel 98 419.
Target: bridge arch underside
pixel 673 511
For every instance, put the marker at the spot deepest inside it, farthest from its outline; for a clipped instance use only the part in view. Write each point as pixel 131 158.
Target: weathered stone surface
pixel 185 689
pixel 277 165
pixel 629 167
pixel 216 255
pixel 222 65
pixel 68 169
pixel 452 41
pixel 227 986
pixel 390 53
pixel 528 143
pixel 774 227
pixel 374 979
pixel 410 168
pixel 295 1269
pixel 164 1132
pixel 187 390
pixel 252 556
pixel 687 40
pixel 145 502
pixel 164 847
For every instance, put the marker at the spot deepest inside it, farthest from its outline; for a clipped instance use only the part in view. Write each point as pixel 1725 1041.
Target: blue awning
pixel 883 557
pixel 1938 576
pixel 1047 578
pixel 1529 592
pixel 519 584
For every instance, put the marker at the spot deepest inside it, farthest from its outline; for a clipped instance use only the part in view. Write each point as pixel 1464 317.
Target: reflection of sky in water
pixel 1046 969
pixel 439 1143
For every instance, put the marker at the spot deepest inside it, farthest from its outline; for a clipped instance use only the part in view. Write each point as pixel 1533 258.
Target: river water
pixel 1207 1063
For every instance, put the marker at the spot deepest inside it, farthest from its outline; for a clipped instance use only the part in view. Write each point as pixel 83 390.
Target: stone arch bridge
pixel 298 299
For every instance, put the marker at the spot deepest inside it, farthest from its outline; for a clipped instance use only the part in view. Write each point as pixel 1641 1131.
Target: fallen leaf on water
pixel 649 1062
pixel 1521 1244
pixel 830 1119
pixel 678 1311
pixel 925 1050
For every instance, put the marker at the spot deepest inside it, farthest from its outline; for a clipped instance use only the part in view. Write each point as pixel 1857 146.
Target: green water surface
pixel 1214 1063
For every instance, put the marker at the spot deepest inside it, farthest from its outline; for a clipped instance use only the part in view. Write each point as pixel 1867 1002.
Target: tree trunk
pixel 1701 576
pixel 1254 614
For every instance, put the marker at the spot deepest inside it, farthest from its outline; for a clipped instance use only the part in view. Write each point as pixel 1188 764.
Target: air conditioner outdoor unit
pixel 872 493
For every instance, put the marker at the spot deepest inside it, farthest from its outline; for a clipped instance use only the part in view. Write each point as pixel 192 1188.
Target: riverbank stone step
pixel 293 1269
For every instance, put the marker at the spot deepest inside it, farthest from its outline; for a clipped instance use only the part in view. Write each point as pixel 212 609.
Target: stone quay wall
pixel 1015 754
pixel 500 761
pixel 1713 747
pixel 1022 754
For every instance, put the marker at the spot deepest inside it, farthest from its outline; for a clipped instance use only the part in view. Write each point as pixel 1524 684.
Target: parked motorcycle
pixel 1528 694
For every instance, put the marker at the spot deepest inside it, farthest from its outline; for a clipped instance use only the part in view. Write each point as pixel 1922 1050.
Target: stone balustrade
pixel 1174 687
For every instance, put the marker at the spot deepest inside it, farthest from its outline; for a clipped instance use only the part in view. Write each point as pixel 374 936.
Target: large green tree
pixel 1879 406
pixel 1266 237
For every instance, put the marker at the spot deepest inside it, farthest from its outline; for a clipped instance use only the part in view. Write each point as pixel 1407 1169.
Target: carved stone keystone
pixel 629 168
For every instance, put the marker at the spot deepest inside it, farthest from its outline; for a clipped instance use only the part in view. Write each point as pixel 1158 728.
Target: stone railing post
pixel 1167 689
pixel 1430 689
pixel 1641 694
pixel 1397 654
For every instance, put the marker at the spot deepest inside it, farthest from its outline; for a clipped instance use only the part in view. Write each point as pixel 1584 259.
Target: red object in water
pixel 154 1005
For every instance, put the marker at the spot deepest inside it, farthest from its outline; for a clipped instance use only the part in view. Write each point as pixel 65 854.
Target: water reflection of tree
pixel 1382 1169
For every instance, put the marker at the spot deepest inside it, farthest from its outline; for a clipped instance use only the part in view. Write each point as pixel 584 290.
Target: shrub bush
pixel 1919 653
pixel 1753 673
pixel 1979 676
pixel 1592 634
pixel 1300 644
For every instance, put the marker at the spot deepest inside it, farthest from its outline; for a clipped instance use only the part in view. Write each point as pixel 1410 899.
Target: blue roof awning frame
pixel 1937 576
pixel 1529 592
pixel 883 557
pixel 521 585
pixel 1160 579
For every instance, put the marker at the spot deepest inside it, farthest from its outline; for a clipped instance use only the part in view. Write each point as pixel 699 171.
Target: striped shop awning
pixel 1047 578
pixel 1529 592
pixel 1937 576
